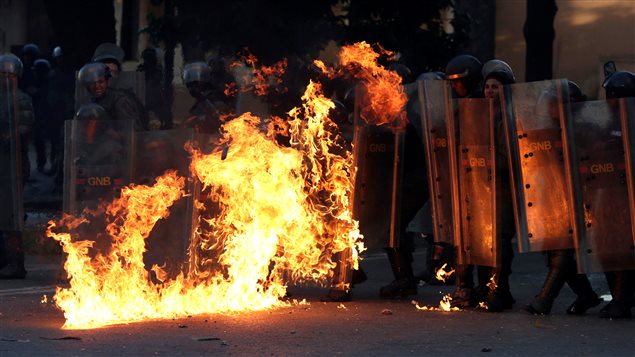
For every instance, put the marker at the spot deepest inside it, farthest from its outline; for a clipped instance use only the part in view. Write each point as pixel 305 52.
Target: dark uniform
pixel 563 268
pixel 11 243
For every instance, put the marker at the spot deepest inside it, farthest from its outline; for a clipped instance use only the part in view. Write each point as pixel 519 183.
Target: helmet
pixel 57 52
pixel 31 49
pixel 620 84
pixel 466 70
pixel 502 69
pixel 91 72
pixel 91 111
pixel 108 52
pixel 150 56
pixel 575 93
pixel 11 64
pixel 427 76
pixel 41 65
pixel 196 72
pixel 464 67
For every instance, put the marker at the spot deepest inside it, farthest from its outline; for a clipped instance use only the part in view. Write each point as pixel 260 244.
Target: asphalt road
pixel 366 326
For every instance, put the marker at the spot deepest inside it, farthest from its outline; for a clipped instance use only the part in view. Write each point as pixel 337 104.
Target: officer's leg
pixel 587 298
pixel 622 285
pixel 14 256
pixel 401 264
pixel 499 296
pixel 559 265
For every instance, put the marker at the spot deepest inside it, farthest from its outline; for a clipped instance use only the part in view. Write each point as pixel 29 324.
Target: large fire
pixel 282 216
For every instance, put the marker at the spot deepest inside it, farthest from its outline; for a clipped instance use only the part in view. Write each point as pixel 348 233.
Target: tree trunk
pixel 539 35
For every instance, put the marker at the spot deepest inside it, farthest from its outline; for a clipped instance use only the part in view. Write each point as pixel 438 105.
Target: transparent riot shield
pixel 12 217
pixel 476 182
pixel 597 161
pixel 435 98
pixel 627 113
pixel 539 185
pixel 131 81
pixel 155 153
pixel 377 151
pixel 98 162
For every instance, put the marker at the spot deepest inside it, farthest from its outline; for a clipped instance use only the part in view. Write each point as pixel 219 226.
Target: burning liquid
pixel 284 216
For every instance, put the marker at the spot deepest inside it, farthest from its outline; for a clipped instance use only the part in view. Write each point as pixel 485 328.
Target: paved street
pixel 367 326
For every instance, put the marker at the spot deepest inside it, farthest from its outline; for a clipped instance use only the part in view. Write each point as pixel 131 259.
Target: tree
pixel 539 34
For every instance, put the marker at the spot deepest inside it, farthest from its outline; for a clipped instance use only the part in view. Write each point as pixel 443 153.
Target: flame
pixel 444 305
pixel 283 213
pixel 492 283
pixel 442 275
pixel 252 76
pixel 384 96
pixel 483 305
pixel 44 300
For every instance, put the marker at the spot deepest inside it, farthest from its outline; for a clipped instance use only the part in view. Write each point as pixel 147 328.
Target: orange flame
pixel 444 305
pixel 442 275
pixel 283 213
pixel 255 77
pixel 384 96
pixel 492 283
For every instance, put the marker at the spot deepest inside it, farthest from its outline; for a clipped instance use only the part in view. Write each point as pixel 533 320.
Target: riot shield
pixel 155 153
pixel 97 162
pixel 539 185
pixel 595 152
pixel 476 182
pixel 435 99
pixel 12 217
pixel 131 81
pixel 377 151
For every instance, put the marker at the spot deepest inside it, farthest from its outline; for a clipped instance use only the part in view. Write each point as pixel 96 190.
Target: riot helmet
pixel 94 77
pixel 501 68
pixel 11 64
pixel 197 77
pixel 575 93
pixel 31 49
pixel 57 52
pixel 496 74
pixel 464 74
pixel 111 55
pixel 620 84
pixel 42 65
pixel 91 111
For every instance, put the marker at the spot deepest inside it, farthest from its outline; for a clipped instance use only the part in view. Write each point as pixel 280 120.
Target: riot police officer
pixel 563 268
pixel 27 83
pixel 11 245
pixel 496 75
pixel 207 110
pixel 119 104
pixel 464 74
pixel 620 84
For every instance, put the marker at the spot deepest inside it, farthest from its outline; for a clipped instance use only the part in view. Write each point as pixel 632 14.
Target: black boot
pixel 559 266
pixel 404 283
pixel 14 268
pixel 587 298
pixel 464 296
pixel 622 287
pixel 499 296
pixel 443 255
